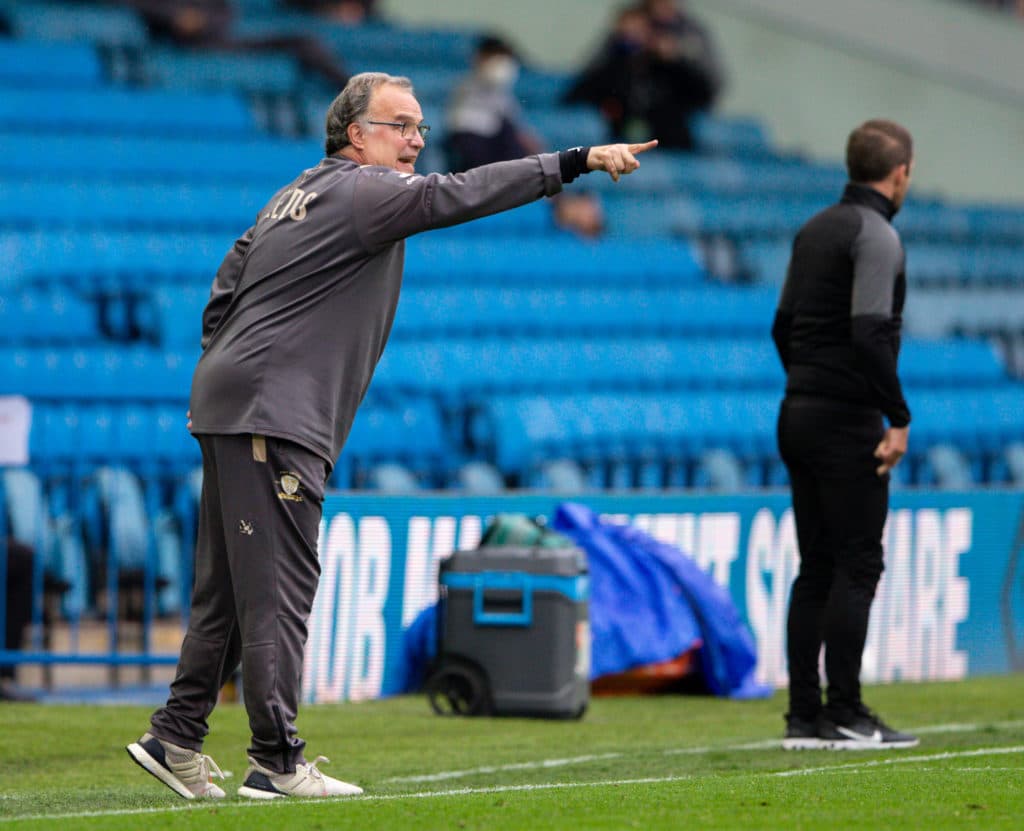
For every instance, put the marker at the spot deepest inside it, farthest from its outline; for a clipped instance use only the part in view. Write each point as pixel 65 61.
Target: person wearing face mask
pixel 656 69
pixel 483 121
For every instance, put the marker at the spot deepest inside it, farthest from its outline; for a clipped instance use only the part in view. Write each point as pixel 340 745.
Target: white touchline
pixel 276 804
pixel 764 744
pixel 542 764
pixel 903 760
pixel 542 786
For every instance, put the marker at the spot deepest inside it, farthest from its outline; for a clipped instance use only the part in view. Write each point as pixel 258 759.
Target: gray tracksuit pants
pixel 256 573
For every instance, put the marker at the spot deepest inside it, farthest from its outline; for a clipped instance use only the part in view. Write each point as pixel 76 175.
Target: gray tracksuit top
pixel 302 306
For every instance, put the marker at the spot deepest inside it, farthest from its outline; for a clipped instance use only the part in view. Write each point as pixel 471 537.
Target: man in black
pixel 298 317
pixel 837 331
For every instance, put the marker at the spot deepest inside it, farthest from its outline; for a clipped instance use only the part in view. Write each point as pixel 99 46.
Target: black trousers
pixel 256 574
pixel 840 505
pixel 19 598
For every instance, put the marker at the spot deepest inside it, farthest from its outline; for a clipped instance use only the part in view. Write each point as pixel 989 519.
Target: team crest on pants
pixel 290 486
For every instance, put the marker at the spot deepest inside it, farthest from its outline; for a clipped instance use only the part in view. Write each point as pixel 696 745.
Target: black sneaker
pixel 864 731
pixel 802 734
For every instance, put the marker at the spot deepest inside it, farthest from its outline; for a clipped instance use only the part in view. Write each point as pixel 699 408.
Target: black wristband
pixel 573 163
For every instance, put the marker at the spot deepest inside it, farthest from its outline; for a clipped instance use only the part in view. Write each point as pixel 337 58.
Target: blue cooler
pixel 513 633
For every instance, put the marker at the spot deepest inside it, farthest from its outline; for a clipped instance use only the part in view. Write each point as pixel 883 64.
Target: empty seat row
pixel 216 158
pixel 463 371
pixel 441 258
pixel 206 69
pixel 29 64
pixel 108 204
pixel 119 112
pixel 73 22
pixel 154 440
pixel 369 43
pixel 939 263
pixel 46 316
pixel 80 434
pixel 469 370
pixel 98 261
pixel 106 373
pixel 928 264
pixel 523 431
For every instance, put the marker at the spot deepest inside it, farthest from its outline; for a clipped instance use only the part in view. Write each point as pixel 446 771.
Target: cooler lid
pixel 567 562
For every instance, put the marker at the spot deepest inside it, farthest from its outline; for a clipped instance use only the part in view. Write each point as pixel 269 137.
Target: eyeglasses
pixel 404 127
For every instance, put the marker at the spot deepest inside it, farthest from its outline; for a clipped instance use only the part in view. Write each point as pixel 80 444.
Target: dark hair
pixel 876 148
pixel 353 102
pixel 492 44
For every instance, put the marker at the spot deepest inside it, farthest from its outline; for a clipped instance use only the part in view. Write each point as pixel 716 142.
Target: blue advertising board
pixel 950 604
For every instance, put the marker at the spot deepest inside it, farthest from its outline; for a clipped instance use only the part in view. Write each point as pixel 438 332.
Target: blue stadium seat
pixel 730 135
pixel 409 433
pixel 563 127
pixel 55 538
pixel 479 478
pixel 537 89
pixel 391 477
pixel 121 534
pixel 174 315
pixel 25 63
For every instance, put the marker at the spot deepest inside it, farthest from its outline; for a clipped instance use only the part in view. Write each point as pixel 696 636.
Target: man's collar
pixel 856 194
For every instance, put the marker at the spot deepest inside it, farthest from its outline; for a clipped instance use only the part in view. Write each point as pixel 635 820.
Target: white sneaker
pixel 308 780
pixel 186 772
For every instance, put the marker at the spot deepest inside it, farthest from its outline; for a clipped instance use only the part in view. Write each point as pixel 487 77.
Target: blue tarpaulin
pixel 649 602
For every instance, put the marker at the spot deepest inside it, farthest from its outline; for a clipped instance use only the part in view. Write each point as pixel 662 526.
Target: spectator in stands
pixel 837 331
pixel 657 68
pixel 19 612
pixel 579 212
pixel 207 24
pixel 298 317
pixel 484 121
pixel 349 12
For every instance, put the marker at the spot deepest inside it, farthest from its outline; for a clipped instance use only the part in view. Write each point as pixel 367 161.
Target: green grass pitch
pixel 650 763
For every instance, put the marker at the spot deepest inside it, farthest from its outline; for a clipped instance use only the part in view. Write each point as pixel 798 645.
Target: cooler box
pixel 513 633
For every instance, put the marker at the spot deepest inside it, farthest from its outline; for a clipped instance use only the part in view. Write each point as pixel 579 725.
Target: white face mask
pixel 500 70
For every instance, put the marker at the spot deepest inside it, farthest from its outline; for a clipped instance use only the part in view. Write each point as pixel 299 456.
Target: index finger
pixel 643 148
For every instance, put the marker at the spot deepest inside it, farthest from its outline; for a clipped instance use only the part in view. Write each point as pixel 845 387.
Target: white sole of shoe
pixel 256 793
pixel 152 766
pixel 812 743
pixel 853 744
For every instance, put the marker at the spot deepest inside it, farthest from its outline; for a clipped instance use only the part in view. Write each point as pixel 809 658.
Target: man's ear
pixel 356 135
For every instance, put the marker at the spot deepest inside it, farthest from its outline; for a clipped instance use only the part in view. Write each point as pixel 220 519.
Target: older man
pixel 298 317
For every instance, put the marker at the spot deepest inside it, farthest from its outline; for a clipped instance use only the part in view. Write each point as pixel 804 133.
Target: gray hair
pixel 353 102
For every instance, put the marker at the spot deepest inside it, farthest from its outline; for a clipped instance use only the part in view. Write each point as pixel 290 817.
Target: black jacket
pixel 837 328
